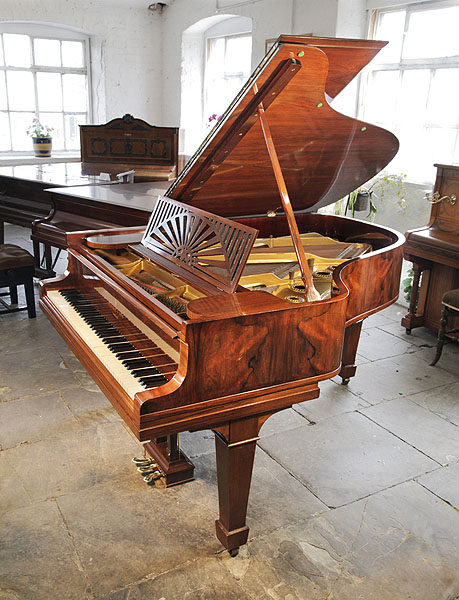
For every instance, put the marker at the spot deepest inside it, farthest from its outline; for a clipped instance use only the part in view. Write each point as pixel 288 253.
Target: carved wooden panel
pixel 129 140
pixel 211 247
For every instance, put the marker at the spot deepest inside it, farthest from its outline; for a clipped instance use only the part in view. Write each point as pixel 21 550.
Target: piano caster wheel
pixel 408 331
pixel 233 552
pixel 345 380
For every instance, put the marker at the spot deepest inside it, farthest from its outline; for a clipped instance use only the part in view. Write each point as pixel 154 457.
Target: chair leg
pixel 30 298
pixel 13 294
pixel 441 335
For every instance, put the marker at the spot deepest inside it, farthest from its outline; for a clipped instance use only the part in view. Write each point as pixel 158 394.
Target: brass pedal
pixel 142 460
pixel 152 477
pixel 148 468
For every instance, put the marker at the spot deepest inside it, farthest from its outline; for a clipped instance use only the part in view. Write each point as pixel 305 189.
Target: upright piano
pixel 238 299
pixel 434 252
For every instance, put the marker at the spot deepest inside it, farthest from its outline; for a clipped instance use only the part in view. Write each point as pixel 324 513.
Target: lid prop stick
pixel 306 275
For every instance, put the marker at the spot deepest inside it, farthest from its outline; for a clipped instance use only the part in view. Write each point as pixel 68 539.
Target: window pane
pixel 3 104
pixel 72 131
pixel 413 96
pixel 49 91
pixel 75 94
pixel 390 29
pixel 19 125
pixel 4 133
pixel 443 105
pixel 47 52
pixel 17 50
pixel 2 62
pixel 432 33
pixel 381 98
pixel 56 121
pixel 72 54
pixel 238 55
pixel 216 57
pixel 21 94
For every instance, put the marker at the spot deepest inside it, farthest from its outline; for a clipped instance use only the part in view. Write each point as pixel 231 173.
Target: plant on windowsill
pixel 361 199
pixel 42 140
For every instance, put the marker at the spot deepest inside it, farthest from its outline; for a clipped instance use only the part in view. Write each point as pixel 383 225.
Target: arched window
pixel 44 74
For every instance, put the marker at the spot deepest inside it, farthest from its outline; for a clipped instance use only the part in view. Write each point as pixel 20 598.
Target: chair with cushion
pixel 16 268
pixel 450 302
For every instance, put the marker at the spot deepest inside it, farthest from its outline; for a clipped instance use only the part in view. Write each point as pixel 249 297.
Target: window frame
pixel 233 75
pixel 47 32
pixel 409 64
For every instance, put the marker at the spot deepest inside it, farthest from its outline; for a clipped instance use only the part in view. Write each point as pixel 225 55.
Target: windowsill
pixel 12 160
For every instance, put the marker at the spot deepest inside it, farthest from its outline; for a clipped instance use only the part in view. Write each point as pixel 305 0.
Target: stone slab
pixel 345 458
pixel 34 418
pixel 334 399
pixel 401 543
pixel 88 406
pixel 74 461
pixel 443 401
pixel 203 579
pixel 12 492
pixel 376 344
pixel 124 532
pixel 393 377
pixel 20 376
pixel 444 482
pixel 419 427
pixel 37 557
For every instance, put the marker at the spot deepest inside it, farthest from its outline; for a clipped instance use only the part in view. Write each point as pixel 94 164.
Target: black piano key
pixel 134 363
pixel 121 346
pixel 150 372
pixel 152 381
pixel 133 354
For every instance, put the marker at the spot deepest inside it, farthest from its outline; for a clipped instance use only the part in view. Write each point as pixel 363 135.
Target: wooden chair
pixel 450 302
pixel 16 268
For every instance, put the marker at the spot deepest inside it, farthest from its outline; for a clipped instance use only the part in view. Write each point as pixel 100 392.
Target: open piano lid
pixel 323 154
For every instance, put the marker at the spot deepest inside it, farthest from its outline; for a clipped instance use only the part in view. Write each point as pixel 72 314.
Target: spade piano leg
pixel 235 450
pixel 351 341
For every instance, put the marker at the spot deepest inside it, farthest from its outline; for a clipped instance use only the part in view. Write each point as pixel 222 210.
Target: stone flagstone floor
pixel 355 495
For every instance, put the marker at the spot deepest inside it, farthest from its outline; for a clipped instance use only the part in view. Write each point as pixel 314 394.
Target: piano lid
pixel 323 154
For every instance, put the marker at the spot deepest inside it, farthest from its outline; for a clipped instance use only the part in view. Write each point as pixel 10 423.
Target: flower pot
pixel 361 202
pixel 42 146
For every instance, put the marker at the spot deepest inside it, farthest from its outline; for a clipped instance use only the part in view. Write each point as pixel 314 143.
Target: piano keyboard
pixel 126 350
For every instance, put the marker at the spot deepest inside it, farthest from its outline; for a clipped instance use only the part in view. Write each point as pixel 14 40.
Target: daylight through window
pixel 45 78
pixel 227 69
pixel 413 86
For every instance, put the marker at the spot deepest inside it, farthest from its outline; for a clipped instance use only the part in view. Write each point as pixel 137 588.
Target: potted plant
pixel 361 199
pixel 42 139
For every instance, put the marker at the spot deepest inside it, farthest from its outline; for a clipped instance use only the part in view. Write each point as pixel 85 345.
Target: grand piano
pixel 125 144
pixel 238 298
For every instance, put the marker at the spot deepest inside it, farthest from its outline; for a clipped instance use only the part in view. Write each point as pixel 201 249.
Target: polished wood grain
pixel 129 143
pixel 434 252
pixel 310 138
pixel 245 355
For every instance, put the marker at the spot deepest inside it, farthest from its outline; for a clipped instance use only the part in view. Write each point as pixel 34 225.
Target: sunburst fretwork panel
pixel 212 247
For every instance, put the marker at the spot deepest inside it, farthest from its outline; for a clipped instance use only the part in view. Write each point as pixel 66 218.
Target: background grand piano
pixel 200 326
pixel 122 144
